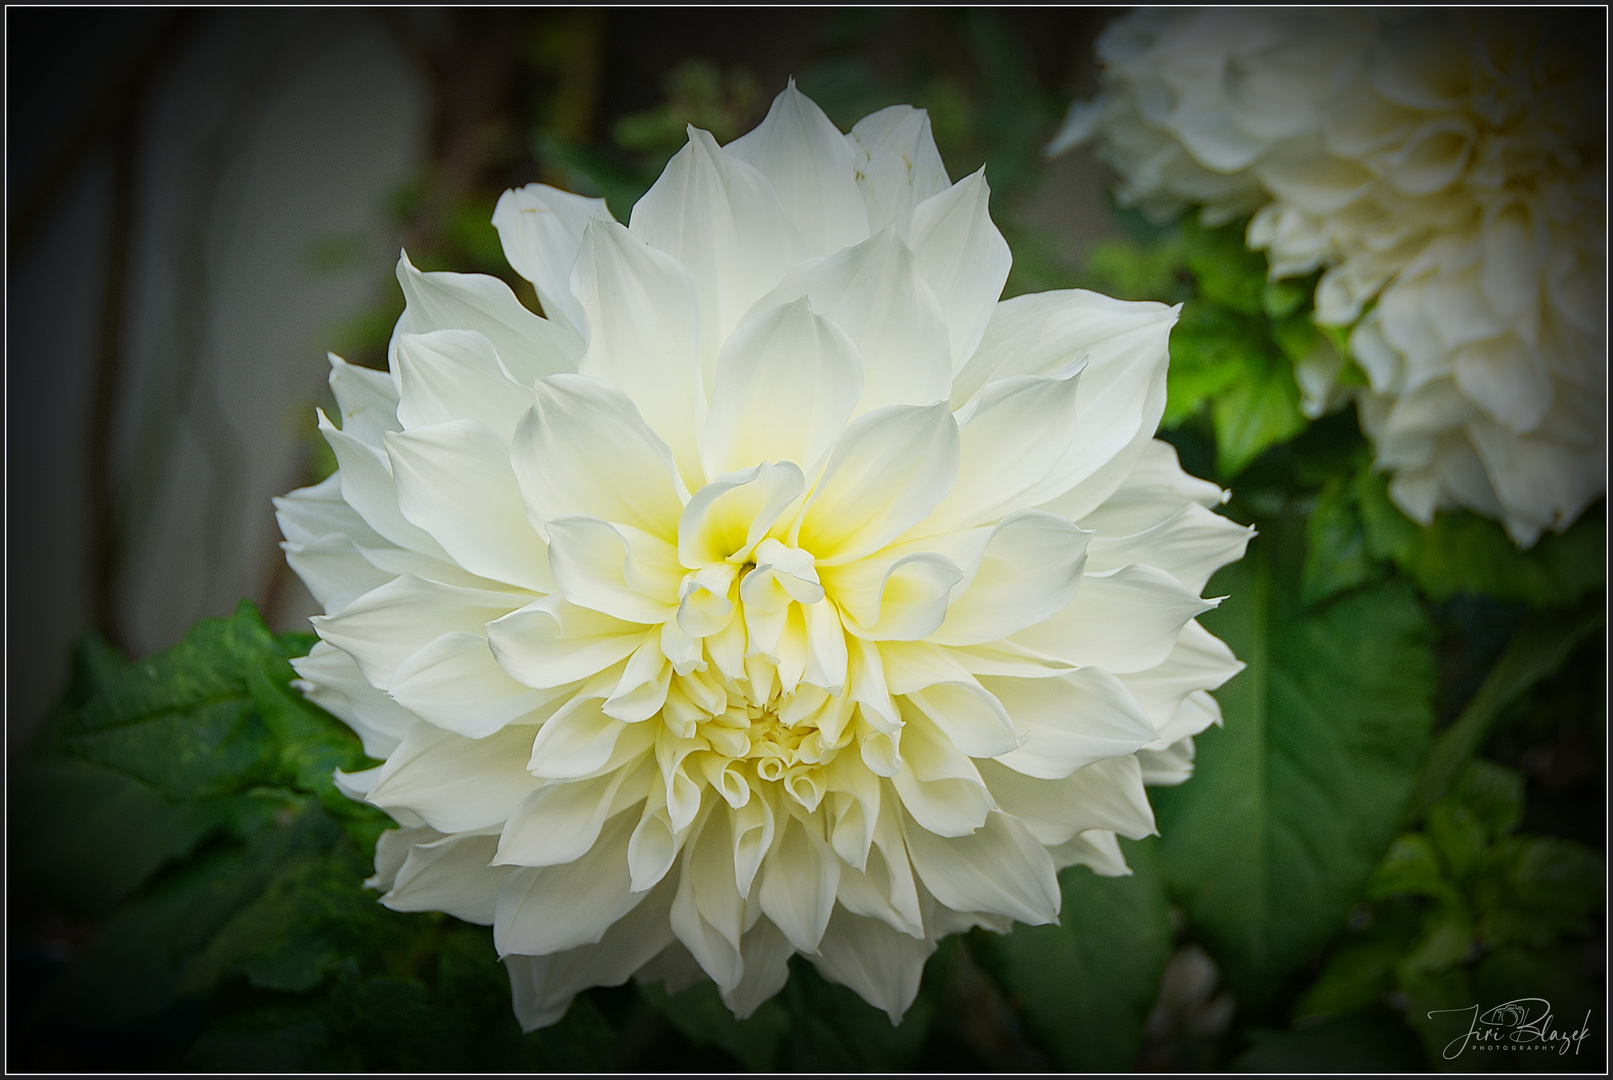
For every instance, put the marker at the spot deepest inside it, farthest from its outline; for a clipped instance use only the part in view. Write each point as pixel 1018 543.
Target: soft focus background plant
pixel 1404 811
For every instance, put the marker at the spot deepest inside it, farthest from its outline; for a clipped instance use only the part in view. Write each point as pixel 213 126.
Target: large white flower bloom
pixel 1447 167
pixel 780 592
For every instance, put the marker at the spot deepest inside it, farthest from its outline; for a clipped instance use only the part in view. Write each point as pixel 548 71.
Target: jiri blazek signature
pixel 1524 1024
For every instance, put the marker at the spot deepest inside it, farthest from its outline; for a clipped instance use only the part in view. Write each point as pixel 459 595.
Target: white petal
pixel 887 472
pixel 1121 620
pixel 541 229
pixel 999 869
pixel 368 487
pixel 731 515
pixel 721 218
pixel 1190 546
pixel 969 715
pixel 765 953
pixel 330 679
pixel 964 258
pixel 455 683
pixel 543 986
pixel 798 882
pixel 367 400
pixel 787 381
pixel 644 318
pixel 386 626
pixel 1200 661
pixel 310 513
pixel 579 740
pixel 455 375
pixel 584 449
pixel 1506 380
pixel 551 642
pixel 550 908
pixel 530 347
pixel 897 165
pixel 457 784
pixel 901 599
pixel 334 570
pixel 937 783
pixel 1070 721
pixel 451 875
pixel 561 820
pixel 619 570
pixel 875 293
pixel 708 913
pixel 1106 794
pixel 881 965
pixel 1018 449
pixel 454 481
pixel 1096 849
pixel 1030 569
pixel 810 166
pixel 1155 489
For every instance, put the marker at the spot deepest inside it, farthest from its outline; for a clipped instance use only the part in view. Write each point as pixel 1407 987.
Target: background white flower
pixel 1447 169
pixel 782 591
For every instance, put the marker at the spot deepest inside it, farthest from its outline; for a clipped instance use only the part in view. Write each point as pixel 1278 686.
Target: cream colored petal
pixel 722 219
pixel 810 165
pixel 937 783
pixel 798 881
pixel 541 229
pixel 1190 546
pixel 452 875
pixel 881 965
pixel 963 257
pixel 615 569
pixel 530 347
pixel 787 382
pixel 1122 620
pixel 999 869
pixel 454 481
pixel 897 165
pixel 457 784
pixel 552 641
pixel 643 311
pixel 543 986
pixel 1069 721
pixel 888 470
pixel 1029 570
pixel 455 375
pixel 551 908
pixel 386 626
pixel 455 683
pixel 330 679
pixel 1106 794
pixel 875 293
pixel 584 449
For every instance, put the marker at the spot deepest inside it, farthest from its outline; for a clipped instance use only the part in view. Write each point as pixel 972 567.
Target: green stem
pixel 1536 650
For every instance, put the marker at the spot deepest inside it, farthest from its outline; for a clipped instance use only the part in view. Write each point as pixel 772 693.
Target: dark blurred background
pixel 201 202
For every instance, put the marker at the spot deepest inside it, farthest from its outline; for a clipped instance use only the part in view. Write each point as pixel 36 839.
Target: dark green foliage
pixel 1086 986
pixel 1295 800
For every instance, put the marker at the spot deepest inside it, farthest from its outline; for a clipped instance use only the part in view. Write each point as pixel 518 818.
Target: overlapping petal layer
pixel 783 592
pixel 1446 170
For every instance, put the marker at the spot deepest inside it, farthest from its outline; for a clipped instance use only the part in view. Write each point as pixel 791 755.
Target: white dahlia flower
pixel 1446 167
pixel 781 592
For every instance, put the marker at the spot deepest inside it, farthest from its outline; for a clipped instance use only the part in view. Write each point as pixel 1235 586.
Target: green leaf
pixel 1336 556
pixel 135 965
pixel 1368 1042
pixel 1538 648
pixel 1260 410
pixel 1411 867
pixel 1228 273
pixel 1362 968
pixel 1086 985
pixel 834 1030
pixel 701 1017
pixel 1211 349
pixel 1462 552
pixel 1295 801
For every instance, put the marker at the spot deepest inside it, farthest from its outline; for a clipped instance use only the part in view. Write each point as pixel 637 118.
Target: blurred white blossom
pixel 780 592
pixel 1446 169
